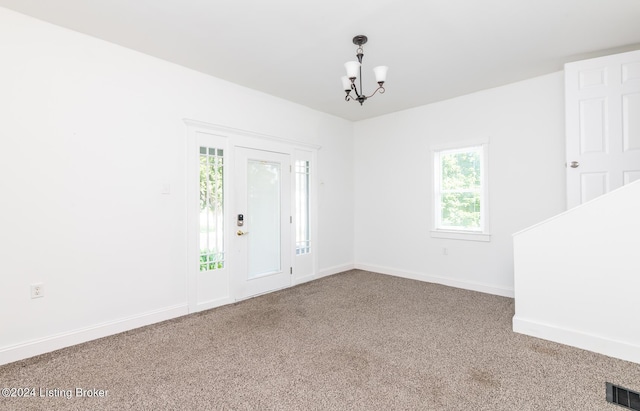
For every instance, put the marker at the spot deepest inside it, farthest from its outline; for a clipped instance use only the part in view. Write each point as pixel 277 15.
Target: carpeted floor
pixel 353 341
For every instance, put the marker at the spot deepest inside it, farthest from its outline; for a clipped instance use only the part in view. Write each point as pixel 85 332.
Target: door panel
pixel 593 133
pixel 631 121
pixel 630 176
pixel 264 239
pixel 593 185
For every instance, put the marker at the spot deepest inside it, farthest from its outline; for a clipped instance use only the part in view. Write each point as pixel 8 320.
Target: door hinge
pixel 290 270
pixel 290 219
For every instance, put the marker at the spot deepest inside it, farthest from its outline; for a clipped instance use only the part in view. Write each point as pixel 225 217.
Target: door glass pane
pixel 302 207
pixel 211 209
pixel 263 209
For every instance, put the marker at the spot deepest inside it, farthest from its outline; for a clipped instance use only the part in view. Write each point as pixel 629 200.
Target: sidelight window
pixel 212 255
pixel 303 239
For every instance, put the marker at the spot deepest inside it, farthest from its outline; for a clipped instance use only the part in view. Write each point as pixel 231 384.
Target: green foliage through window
pixel 211 260
pixel 459 188
pixel 211 209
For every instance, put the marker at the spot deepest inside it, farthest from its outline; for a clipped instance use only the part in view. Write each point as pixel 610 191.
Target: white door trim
pixel 230 131
pixel 238 138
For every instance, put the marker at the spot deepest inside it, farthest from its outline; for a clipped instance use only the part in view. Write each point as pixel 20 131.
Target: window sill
pixel 461 235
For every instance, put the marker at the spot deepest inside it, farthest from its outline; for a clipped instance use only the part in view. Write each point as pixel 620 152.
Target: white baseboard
pixel 334 270
pixel 324 273
pixel 208 305
pixel 467 285
pixel 304 279
pixel 55 342
pixel 579 339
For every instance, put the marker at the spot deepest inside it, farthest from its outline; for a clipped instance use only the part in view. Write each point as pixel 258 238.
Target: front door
pixel 262 221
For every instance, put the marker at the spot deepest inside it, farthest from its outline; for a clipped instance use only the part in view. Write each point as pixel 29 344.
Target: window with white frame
pixel 303 237
pixel 211 209
pixel 460 192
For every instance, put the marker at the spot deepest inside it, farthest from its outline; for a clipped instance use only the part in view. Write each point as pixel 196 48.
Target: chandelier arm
pixel 355 89
pixel 380 89
pixel 360 98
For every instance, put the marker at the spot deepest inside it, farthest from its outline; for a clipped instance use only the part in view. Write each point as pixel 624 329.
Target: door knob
pixel 240 232
pixel 574 164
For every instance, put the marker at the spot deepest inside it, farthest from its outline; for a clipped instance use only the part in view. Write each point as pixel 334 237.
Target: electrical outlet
pixel 37 290
pixel 445 251
pixel 166 188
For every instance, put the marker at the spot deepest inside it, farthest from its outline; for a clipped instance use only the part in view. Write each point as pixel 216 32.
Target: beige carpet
pixel 353 341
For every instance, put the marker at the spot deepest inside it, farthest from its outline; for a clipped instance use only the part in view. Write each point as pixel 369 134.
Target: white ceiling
pixel 295 49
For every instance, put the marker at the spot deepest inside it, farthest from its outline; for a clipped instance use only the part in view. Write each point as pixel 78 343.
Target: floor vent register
pixel 623 397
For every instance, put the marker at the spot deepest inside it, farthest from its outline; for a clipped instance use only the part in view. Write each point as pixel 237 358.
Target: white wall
pixel 524 122
pixel 578 275
pixel 89 134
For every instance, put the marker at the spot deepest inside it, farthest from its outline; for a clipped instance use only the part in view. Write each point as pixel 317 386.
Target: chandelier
pixel 354 72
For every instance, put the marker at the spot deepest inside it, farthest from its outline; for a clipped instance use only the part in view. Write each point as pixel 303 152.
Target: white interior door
pixel 263 198
pixel 603 125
